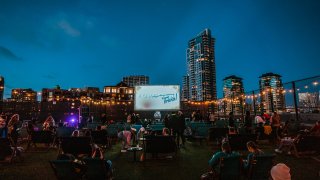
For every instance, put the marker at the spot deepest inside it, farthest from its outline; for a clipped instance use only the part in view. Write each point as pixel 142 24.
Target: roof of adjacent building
pixel 269 74
pixel 233 77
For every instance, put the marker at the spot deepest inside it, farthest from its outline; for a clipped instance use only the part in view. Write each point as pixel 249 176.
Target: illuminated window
pixel 107 90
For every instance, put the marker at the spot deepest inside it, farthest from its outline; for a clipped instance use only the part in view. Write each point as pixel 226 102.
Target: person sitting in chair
pixel 125 137
pixel 315 130
pixel 75 133
pixel 280 172
pixel 13 129
pixel 49 124
pixel 287 144
pixel 253 151
pixel 215 160
pixel 98 154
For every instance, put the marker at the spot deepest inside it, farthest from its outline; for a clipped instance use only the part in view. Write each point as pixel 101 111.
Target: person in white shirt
pixel 259 119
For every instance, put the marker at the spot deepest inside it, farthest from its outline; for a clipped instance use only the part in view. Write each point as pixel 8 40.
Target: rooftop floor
pixel 190 163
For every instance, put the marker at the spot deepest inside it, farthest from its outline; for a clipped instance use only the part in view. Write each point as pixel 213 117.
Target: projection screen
pixel 159 97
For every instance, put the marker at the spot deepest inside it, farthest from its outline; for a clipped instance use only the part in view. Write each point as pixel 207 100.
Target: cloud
pixel 7 54
pixel 68 29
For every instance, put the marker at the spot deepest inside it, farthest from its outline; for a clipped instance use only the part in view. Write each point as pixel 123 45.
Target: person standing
pixel 198 116
pixel 129 119
pixel 275 122
pixel 193 116
pixel 248 122
pixel 166 121
pixel 231 119
pixel 211 117
pixel 103 118
pixel 181 127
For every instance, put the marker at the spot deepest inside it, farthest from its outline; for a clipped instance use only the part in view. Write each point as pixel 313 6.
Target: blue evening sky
pixel 78 43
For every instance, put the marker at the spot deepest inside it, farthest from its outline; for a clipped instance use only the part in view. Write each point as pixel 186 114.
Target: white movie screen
pixel 166 97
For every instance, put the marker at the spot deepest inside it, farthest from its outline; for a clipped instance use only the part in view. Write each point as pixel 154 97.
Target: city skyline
pixel 79 43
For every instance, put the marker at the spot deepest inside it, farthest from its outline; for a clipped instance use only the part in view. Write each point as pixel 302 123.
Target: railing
pixel 298 100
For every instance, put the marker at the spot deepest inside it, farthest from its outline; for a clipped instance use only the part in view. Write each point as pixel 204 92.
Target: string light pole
pixel 295 100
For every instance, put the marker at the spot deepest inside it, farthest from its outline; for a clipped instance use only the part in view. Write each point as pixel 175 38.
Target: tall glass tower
pixel 234 93
pixel 201 68
pixel 271 90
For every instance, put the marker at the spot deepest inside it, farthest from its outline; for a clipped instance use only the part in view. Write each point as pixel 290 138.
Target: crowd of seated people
pixel 277 172
pixel 9 130
pixel 79 164
pixel 215 159
pixel 288 143
pixel 128 135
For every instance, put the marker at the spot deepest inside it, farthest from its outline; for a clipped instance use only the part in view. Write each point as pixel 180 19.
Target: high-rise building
pixel 233 93
pixel 309 101
pixel 1 88
pixel 185 89
pixel 132 81
pixel 23 95
pixel 201 67
pixel 271 91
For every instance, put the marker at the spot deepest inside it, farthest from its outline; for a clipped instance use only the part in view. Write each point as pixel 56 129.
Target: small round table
pixel 134 150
